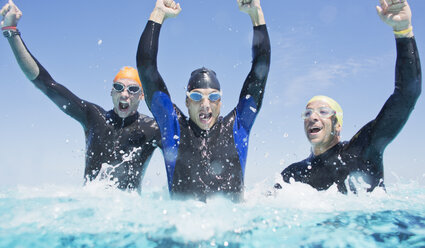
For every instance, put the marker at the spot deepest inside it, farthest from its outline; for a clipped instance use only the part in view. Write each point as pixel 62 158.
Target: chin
pixel 124 114
pixel 203 126
pixel 315 141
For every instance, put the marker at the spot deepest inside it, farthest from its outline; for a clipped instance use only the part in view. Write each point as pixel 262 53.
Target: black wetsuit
pixel 362 155
pixel 202 163
pixel 124 144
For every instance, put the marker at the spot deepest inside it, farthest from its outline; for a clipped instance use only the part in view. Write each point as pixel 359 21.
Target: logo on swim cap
pixel 203 78
pixel 332 104
pixel 129 73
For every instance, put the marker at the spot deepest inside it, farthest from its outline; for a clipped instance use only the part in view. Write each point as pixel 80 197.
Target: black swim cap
pixel 203 78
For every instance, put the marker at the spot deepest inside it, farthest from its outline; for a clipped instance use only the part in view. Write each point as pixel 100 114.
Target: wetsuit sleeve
pixel 400 104
pixel 157 97
pixel 251 97
pixel 60 95
pixel 147 62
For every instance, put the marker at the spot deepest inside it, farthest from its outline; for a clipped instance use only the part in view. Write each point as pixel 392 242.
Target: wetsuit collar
pixel 201 132
pixel 326 154
pixel 121 122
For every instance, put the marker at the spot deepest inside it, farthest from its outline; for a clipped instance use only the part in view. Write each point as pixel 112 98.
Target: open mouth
pixel 205 117
pixel 314 130
pixel 123 106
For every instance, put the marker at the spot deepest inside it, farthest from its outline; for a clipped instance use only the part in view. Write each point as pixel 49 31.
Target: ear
pixel 142 96
pixel 187 102
pixel 338 127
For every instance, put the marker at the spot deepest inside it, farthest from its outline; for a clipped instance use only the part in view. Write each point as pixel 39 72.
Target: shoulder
pixel 150 129
pixel 93 110
pixel 145 119
pixel 295 168
pixel 180 115
pixel 362 137
pixel 298 165
pixel 147 122
pixel 230 117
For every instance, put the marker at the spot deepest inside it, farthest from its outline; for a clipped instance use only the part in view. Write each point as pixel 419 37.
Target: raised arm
pixel 408 79
pixel 148 49
pixel 11 15
pixel 252 93
pixel 62 97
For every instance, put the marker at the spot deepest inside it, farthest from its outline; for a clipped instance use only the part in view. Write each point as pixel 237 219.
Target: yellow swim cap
pixel 129 73
pixel 332 104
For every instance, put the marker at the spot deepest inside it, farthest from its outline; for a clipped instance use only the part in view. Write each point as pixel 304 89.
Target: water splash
pixel 105 178
pixel 298 215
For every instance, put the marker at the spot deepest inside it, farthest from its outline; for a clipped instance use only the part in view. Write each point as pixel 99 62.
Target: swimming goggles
pixel 323 112
pixel 198 96
pixel 119 87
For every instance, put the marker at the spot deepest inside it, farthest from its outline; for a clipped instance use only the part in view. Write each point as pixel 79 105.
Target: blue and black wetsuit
pixel 125 144
pixel 202 163
pixel 362 155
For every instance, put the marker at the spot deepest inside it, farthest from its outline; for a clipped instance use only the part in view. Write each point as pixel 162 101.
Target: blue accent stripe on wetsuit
pixel 246 111
pixel 165 115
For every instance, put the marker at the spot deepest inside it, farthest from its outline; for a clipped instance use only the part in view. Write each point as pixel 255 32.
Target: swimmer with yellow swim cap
pixel 322 123
pixel 346 164
pixel 112 136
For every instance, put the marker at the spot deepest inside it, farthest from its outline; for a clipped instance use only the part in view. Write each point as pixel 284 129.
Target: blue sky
pixel 332 47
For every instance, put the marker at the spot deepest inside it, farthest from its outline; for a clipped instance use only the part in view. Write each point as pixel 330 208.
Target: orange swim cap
pixel 128 72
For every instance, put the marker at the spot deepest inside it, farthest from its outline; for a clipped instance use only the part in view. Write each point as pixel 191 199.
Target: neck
pixel 115 118
pixel 322 148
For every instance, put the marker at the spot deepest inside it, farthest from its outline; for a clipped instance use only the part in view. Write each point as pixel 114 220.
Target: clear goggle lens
pixel 323 112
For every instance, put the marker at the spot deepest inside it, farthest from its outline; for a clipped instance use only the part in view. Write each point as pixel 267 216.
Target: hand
pixel 249 6
pixel 165 9
pixel 395 13
pixel 253 9
pixel 11 15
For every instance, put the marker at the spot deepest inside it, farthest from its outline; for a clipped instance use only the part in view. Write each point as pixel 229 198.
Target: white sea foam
pixel 294 215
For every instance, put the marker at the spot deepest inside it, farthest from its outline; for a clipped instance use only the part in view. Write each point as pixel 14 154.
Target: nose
pixel 314 116
pixel 205 102
pixel 125 93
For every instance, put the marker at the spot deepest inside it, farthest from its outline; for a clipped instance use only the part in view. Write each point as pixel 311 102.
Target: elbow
pixel 410 95
pixel 261 70
pixel 416 91
pixel 144 57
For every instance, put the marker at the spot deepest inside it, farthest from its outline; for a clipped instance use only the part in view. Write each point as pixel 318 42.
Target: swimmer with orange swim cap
pixel 126 92
pixel 111 136
pixel 360 159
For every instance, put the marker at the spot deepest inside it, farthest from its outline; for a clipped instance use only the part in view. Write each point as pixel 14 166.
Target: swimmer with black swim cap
pixel 111 136
pixel 205 154
pixel 203 82
pixel 361 159
pixel 203 78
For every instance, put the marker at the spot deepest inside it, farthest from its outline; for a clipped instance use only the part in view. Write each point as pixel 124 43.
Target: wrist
pixel 8 28
pixel 404 33
pixel 157 16
pixel 10 31
pixel 257 17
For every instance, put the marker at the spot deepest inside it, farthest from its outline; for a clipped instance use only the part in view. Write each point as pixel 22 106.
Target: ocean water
pixel 296 216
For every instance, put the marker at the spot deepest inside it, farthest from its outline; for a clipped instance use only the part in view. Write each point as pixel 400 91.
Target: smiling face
pixel 204 113
pixel 323 133
pixel 125 102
